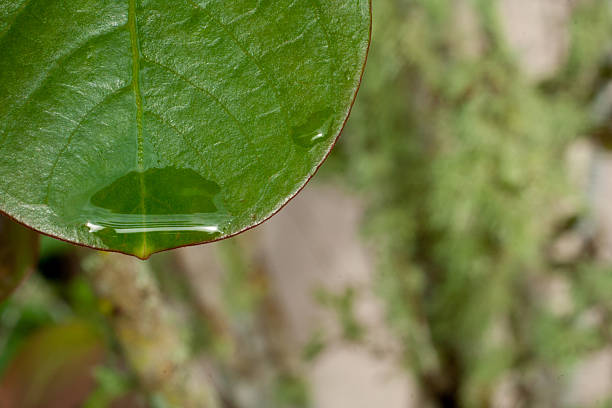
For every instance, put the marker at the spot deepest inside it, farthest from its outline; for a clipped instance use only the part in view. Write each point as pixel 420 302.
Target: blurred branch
pixel 148 334
pixel 258 365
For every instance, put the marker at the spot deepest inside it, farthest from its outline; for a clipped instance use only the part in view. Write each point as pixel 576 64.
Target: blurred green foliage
pixel 342 305
pixel 461 158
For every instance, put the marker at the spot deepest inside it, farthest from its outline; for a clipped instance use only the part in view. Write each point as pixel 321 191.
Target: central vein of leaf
pixel 136 76
pixel 139 107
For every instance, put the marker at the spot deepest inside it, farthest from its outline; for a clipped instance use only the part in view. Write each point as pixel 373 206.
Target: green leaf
pixel 18 255
pixel 143 125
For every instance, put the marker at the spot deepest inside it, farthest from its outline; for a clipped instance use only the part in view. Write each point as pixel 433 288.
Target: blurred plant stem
pixel 148 333
pixel 256 364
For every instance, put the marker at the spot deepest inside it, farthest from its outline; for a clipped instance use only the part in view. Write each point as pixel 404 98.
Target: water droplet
pixel 93 227
pixel 141 212
pixel 315 129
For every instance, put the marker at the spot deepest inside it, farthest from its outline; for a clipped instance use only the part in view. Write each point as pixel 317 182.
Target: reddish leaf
pixel 53 368
pixel 18 255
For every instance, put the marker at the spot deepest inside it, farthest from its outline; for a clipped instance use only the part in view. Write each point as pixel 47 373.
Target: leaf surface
pixel 143 125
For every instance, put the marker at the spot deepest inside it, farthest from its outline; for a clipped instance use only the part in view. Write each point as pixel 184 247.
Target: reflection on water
pixel 314 130
pixel 145 211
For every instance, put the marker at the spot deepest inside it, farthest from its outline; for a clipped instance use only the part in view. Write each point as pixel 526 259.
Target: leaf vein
pixel 43 82
pixel 200 88
pixel 179 132
pixel 135 47
pixel 73 132
pixel 251 57
pixel 331 50
pixel 19 12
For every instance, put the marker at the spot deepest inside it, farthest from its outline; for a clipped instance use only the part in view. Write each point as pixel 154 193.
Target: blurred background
pixel 454 251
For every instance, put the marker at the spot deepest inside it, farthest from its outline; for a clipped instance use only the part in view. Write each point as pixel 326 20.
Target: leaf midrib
pixel 135 45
